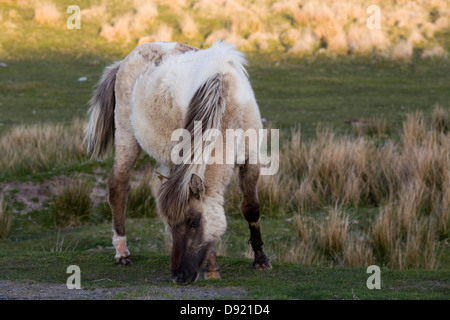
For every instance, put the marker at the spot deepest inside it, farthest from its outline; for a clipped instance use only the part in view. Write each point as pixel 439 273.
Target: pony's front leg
pixel 248 179
pixel 211 270
pixel 118 186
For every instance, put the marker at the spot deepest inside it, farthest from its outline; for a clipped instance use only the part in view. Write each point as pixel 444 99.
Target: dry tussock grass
pixel 330 240
pixel 47 13
pixel 5 219
pixel 126 26
pixel 71 205
pixel 29 149
pixel 292 26
pixel 141 202
pixel 408 180
pixel 330 27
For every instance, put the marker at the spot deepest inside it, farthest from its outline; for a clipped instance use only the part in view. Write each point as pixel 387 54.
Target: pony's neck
pixel 216 179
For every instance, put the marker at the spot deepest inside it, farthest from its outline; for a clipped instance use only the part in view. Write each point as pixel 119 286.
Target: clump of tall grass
pixel 401 236
pixel 330 240
pixel 373 128
pixel 188 26
pixel 59 245
pixel 71 205
pixel 330 170
pixel 436 52
pixel 47 13
pixel 440 119
pixel 122 27
pixel 141 202
pixel 118 30
pixel 274 200
pixel 406 178
pixel 35 148
pixel 5 219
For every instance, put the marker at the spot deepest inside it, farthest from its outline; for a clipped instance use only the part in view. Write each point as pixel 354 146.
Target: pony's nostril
pixel 180 277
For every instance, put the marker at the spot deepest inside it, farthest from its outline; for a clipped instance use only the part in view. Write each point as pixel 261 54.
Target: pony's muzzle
pixel 183 277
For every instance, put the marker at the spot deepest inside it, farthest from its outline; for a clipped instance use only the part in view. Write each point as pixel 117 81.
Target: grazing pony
pixel 139 102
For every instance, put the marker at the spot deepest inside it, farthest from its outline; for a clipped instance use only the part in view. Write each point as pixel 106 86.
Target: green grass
pixel 89 247
pixel 302 92
pixel 46 91
pixel 39 85
pixel 312 91
pixel 71 205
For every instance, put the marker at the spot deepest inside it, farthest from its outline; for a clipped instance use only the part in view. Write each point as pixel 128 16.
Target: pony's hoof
pixel 124 261
pixel 262 264
pixel 211 275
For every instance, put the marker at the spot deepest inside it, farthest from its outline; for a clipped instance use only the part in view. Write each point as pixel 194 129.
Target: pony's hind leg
pixel 248 179
pixel 118 186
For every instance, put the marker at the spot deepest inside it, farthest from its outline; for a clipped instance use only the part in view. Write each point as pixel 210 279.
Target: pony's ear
pixel 196 186
pixel 161 177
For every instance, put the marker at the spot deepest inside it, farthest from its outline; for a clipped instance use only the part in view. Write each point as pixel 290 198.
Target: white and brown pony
pixel 139 102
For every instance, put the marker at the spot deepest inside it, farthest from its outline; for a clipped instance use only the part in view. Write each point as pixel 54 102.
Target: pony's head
pixel 196 223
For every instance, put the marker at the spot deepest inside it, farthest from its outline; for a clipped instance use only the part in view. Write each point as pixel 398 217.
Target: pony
pixel 138 103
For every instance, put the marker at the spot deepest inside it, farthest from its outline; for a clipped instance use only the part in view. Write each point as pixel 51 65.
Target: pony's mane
pixel 207 105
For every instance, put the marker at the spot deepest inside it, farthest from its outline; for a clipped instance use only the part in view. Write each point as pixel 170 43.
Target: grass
pixel 328 28
pixel 39 148
pixel 71 205
pixel 289 92
pixel 405 180
pixel 5 219
pixel 312 91
pixel 332 89
pixel 364 174
pixel 140 202
pixel 395 186
pixel 94 255
pixel 50 97
pixel 382 151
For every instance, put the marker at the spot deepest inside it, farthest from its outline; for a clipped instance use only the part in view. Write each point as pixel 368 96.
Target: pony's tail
pixel 99 133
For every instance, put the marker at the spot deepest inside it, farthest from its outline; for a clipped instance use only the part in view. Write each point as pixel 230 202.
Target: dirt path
pixel 16 290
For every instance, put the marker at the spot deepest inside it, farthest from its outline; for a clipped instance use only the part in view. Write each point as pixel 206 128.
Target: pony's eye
pixel 195 223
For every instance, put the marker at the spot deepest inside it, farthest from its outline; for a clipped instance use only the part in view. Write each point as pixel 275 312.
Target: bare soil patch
pixel 34 195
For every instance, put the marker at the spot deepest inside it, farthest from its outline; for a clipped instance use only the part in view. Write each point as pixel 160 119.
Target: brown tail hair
pixel 99 133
